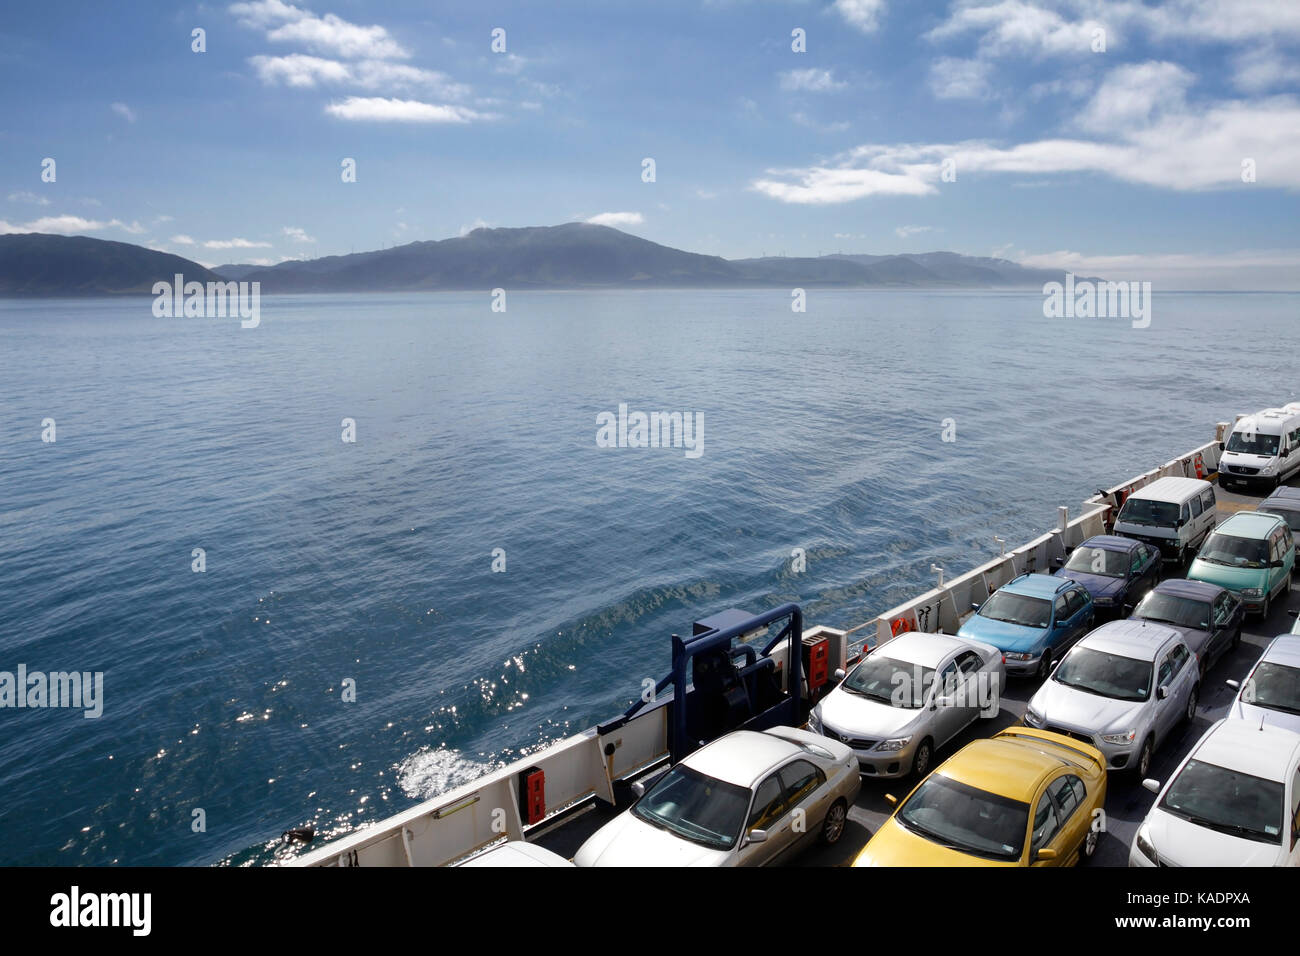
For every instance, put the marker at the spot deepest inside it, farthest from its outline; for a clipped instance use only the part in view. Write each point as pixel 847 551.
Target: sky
pixel 1136 141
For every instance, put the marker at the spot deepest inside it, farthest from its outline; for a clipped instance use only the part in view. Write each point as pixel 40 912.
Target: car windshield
pixel 1225 800
pixel 1017 609
pixel 1163 514
pixel 1274 686
pixel 1112 564
pixel 958 816
pixel 1233 551
pixel 1253 444
pixel 695 807
pixel 1108 675
pixel 1289 515
pixel 1178 611
pixel 891 682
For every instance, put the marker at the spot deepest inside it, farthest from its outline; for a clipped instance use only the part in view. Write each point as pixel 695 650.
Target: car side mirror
pixel 975 607
pixel 1045 854
pixel 1294 613
pixel 840 673
pixel 1058 563
pixel 1235 685
pixel 946 701
pixel 756 836
pixel 1128 609
pixel 1152 785
pixel 638 788
pixel 1162 691
pixel 893 800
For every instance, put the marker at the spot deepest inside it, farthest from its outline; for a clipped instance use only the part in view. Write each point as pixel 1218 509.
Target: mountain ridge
pixel 568 256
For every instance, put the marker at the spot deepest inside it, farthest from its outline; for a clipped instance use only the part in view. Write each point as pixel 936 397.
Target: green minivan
pixel 1251 554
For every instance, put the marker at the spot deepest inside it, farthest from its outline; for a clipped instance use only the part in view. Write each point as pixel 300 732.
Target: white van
pixel 1174 514
pixel 1263 449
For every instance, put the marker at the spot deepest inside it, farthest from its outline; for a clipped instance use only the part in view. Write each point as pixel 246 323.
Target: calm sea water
pixel 372 561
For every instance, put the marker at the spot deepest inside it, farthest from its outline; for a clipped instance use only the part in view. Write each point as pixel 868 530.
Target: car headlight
pixel 1125 738
pixel 1144 845
pixel 1252 592
pixel 893 746
pixel 1018 656
pixel 1033 718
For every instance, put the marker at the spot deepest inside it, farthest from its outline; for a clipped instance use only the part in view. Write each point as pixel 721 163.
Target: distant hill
pixel 570 256
pixel 35 264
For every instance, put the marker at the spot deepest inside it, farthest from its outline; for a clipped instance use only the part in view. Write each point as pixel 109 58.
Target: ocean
pixel 476 575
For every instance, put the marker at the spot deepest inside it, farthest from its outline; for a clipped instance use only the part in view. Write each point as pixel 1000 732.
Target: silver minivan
pixel 1174 514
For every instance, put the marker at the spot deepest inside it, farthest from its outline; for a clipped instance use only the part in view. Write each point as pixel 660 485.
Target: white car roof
pixel 920 647
pixel 1266 422
pixel 1241 745
pixel 1284 649
pixel 1172 490
pixel 517 853
pixel 743 757
pixel 1140 640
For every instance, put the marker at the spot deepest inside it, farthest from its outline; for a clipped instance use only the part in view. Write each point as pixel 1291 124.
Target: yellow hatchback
pixel 1024 797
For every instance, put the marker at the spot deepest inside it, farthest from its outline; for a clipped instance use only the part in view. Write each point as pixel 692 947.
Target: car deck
pixel 1127 801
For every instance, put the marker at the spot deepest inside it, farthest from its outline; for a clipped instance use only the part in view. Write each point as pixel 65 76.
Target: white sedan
pixel 746 799
pixel 908 698
pixel 1234 801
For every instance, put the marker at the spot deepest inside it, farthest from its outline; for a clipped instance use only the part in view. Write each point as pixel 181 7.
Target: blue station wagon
pixel 1033 619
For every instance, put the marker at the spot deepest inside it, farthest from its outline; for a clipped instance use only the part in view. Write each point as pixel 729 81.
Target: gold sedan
pixel 1024 797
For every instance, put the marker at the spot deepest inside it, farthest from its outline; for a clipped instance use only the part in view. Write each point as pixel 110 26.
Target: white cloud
pixel 182 240
pixel 382 109
pixel 1135 94
pixel 124 111
pixel 864 15
pixel 617 219
pixel 510 63
pixel 1260 69
pixel 705 194
pixel 953 78
pixel 811 81
pixel 63 225
pixel 476 224
pixel 308 72
pixel 24 195
pixel 297 234
pixel 235 244
pixel 1016 27
pixel 1192 149
pixel 285 23
pixel 904 232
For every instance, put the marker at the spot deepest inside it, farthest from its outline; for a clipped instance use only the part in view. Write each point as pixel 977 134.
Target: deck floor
pixel 1127 801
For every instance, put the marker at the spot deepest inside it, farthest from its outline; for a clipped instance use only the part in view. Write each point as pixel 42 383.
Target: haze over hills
pixel 569 256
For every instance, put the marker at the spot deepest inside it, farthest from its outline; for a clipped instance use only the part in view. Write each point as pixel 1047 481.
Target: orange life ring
pixel 900 626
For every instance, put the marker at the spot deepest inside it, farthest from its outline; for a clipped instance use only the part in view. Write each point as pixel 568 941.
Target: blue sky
pixel 1125 161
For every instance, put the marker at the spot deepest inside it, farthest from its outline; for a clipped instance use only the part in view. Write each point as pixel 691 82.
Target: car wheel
pixel 1190 715
pixel 921 759
pixel 1236 638
pixel 1144 759
pixel 1263 614
pixel 833 825
pixel 1090 842
pixel 1045 665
